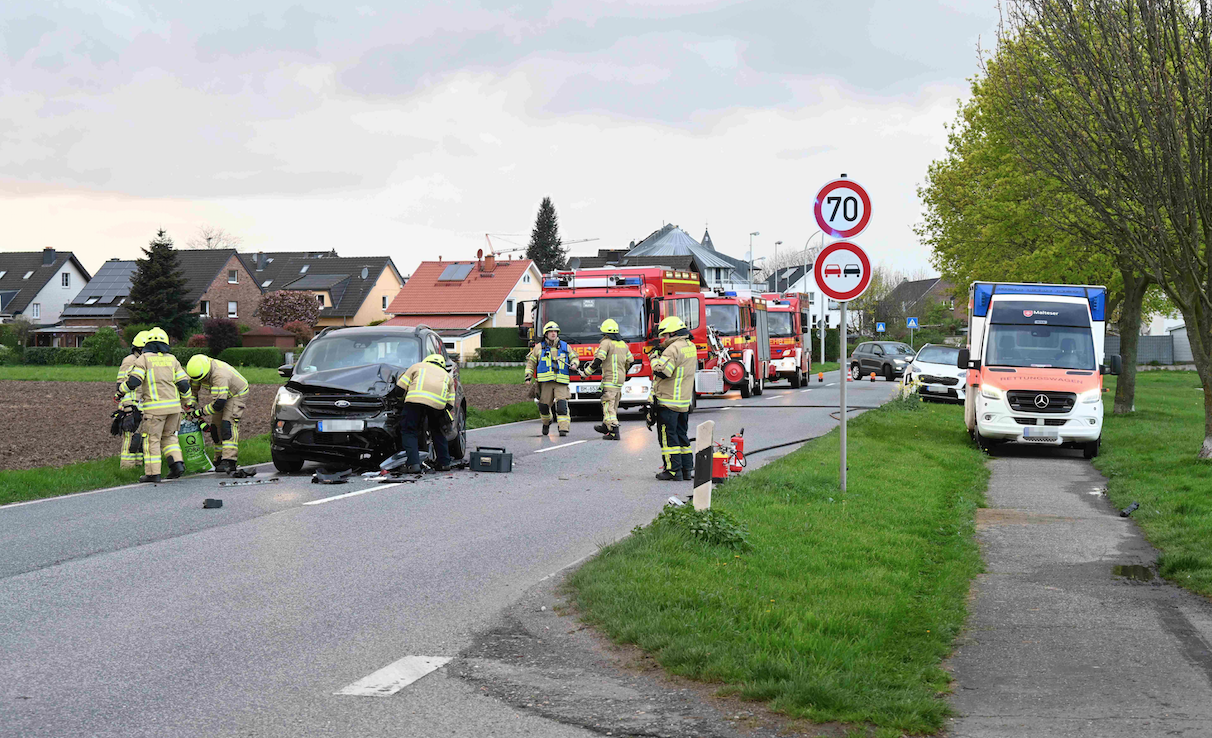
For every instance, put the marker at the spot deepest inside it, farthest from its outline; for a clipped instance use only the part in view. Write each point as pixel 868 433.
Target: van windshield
pixel 726 319
pixel 1040 346
pixel 779 324
pixel 580 318
pixel 336 351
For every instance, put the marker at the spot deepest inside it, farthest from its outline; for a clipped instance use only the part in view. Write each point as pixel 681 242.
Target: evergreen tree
pixel 158 289
pixel 546 248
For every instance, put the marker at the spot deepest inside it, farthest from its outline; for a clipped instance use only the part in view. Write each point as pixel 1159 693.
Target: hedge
pixel 47 355
pixel 501 337
pixel 185 353
pixel 270 358
pixel 502 353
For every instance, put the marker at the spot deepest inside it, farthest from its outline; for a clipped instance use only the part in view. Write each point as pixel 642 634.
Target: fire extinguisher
pixel 737 462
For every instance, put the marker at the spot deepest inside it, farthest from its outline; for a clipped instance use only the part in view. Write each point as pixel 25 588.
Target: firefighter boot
pixel 667 476
pixel 602 428
pixel 546 428
pixel 176 469
pixel 688 467
pixel 153 478
pixel 563 432
pixel 225 466
pixel 414 469
pixel 614 434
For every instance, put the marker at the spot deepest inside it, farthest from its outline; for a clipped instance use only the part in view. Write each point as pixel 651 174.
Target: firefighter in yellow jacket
pixel 673 391
pixel 132 417
pixel 428 397
pixel 160 385
pixel 549 363
pixel 228 397
pixel 612 358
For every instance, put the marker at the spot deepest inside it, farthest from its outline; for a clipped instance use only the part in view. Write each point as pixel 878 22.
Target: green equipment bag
pixel 193 448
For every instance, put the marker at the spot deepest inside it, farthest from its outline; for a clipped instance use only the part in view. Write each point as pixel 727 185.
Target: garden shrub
pixel 221 334
pixel 270 358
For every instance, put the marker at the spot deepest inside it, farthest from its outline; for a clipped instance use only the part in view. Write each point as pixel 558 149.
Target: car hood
pixel 367 379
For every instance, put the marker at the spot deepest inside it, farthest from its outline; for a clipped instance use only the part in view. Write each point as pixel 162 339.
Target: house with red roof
pixel 458 299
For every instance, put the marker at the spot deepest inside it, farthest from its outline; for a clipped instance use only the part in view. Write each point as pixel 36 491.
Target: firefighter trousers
pixel 554 395
pixel 610 406
pixel 132 450
pixel 228 423
pixel 160 439
pixel 414 416
pixel 673 432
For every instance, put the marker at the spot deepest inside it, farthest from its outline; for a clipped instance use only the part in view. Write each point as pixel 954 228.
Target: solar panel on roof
pixel 455 273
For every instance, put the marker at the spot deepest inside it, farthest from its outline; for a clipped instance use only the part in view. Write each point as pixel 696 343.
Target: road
pixel 134 612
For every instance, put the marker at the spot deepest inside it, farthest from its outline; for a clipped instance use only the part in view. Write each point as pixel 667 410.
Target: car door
pixel 860 351
pixel 875 361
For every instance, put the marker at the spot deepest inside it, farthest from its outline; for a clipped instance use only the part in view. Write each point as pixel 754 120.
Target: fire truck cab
pixel 740 322
pixel 636 298
pixel 790 338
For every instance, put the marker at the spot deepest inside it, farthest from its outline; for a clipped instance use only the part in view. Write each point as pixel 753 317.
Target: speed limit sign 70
pixel 842 208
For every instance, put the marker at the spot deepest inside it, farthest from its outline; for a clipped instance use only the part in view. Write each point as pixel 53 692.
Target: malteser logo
pixel 1029 313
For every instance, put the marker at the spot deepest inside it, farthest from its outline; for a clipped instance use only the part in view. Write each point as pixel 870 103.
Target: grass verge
pixel 509 414
pixel 845 605
pixel 492 375
pixel 1149 457
pixel 56 373
pixel 825 366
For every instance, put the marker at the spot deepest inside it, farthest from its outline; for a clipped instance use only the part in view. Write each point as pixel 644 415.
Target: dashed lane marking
pixel 553 448
pixel 352 494
pixel 395 676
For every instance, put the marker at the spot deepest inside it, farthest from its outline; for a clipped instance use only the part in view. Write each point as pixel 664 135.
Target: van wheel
pixel 286 462
pixel 747 387
pixel 1091 449
pixel 795 380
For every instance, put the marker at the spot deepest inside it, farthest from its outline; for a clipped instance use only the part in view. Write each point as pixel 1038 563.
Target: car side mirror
pixel 286 370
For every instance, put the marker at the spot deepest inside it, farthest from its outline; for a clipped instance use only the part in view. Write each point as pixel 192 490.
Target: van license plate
pixel 342 426
pixel 1042 434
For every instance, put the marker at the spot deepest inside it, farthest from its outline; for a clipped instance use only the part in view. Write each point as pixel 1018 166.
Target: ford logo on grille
pixel 1041 401
pixel 345 403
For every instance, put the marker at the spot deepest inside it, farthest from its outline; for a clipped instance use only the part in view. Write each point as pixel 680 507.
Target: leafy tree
pixel 289 306
pixel 104 348
pixel 546 248
pixel 303 332
pixel 221 334
pixel 158 289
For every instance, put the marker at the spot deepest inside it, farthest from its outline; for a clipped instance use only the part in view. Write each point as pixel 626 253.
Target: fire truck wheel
pixel 747 387
pixel 795 380
pixel 759 383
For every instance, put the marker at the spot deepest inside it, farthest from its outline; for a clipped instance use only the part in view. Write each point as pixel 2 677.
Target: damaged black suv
pixel 334 407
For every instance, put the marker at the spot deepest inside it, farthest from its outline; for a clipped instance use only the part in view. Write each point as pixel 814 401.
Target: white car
pixel 934 374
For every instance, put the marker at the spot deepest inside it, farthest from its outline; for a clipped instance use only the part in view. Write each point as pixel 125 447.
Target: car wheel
pixel 795 380
pixel 287 463
pixel 888 375
pixel 747 387
pixel 694 402
pixel 1091 449
pixel 855 372
pixel 458 446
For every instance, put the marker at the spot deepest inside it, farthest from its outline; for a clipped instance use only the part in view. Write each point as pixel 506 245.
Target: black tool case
pixel 491 459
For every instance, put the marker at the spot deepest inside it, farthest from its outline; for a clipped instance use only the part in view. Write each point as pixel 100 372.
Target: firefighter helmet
pixel 672 324
pixel 140 340
pixel 436 359
pixel 551 326
pixel 157 335
pixel 609 326
pixel 198 366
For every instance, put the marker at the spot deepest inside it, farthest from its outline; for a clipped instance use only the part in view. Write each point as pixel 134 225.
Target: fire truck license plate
pixel 589 387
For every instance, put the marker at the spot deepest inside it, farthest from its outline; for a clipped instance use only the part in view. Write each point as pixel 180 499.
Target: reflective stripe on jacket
pixel 551 363
pixel 159 374
pixel 616 360
pixel 673 374
pixel 128 397
pixel 427 384
pixel 223 382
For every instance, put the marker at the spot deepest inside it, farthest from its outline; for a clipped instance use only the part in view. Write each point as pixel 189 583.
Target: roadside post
pixel 842 270
pixel 704 447
pixel 911 324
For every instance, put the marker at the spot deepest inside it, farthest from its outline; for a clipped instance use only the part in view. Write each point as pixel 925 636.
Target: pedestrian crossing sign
pixel 880 328
pixel 911 323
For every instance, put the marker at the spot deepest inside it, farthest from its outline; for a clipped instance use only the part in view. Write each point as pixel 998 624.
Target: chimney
pixel 260 261
pixel 439 257
pixel 490 263
pixel 48 256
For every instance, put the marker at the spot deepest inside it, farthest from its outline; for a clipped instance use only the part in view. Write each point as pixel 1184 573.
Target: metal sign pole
pixel 842 415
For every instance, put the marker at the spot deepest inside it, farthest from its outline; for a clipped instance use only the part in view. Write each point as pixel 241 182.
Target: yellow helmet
pixel 198 366
pixel 436 359
pixel 140 340
pixel 672 324
pixel 551 326
pixel 157 334
pixel 609 326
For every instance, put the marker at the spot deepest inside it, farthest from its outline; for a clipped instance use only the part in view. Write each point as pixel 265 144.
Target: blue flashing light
pixel 729 293
pixel 1062 290
pixel 982 295
pixel 551 283
pixel 1098 303
pixel 632 280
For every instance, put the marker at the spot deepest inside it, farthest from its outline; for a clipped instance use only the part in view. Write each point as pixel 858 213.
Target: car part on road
pixel 271 480
pixel 211 504
pixel 242 473
pixel 1129 510
pixel 338 476
pixel 491 459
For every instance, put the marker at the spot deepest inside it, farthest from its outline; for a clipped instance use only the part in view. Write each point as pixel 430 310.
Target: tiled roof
pixel 357 276
pixel 787 276
pixel 478 292
pixel 440 322
pixel 272 267
pixel 670 240
pixel 200 267
pixel 681 263
pixel 16 292
pixel 908 293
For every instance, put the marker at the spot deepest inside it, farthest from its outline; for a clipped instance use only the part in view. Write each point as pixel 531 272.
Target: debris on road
pixel 1129 510
pixel 337 476
pixel 211 504
pixel 271 480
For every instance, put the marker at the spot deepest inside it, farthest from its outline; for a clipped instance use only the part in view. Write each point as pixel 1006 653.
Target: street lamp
pixel 751 235
pixel 776 265
pixel 824 300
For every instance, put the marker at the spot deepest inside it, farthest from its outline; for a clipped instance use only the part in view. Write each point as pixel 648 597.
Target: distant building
pixel 39 284
pixel 718 269
pixel 914 298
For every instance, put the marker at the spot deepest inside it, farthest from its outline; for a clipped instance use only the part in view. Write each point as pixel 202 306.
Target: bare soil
pixel 57 423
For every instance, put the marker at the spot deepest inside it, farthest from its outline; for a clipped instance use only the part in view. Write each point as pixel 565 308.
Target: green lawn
pixel 845 606
pixel 1150 458
pixel 508 414
pixel 825 366
pixel 254 375
pixel 492 374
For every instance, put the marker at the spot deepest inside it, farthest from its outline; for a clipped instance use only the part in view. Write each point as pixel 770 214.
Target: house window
pixel 2 273
pixel 233 276
pixel 811 298
pixel 266 283
pixel 304 269
pixel 35 311
pixel 92 301
pixel 526 279
pixel 28 274
pixel 204 308
pixel 384 302
pixel 231 309
pixel 320 299
pixel 67 279
pixel 509 306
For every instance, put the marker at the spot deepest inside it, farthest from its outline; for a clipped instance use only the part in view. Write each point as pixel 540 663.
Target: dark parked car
pixel 335 408
pixel 888 359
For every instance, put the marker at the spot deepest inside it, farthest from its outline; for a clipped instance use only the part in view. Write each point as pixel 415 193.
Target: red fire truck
pixel 790 337
pixel 740 322
pixel 637 298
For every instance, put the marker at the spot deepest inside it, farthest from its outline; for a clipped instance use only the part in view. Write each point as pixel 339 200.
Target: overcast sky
pixel 412 129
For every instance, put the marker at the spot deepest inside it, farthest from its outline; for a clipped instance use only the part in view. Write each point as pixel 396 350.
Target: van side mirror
pixel 286 370
pixel 961 361
pixel 520 317
pixel 1116 366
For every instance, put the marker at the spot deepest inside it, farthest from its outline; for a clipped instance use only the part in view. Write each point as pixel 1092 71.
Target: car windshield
pixel 779 323
pixel 896 348
pixel 337 351
pixel 580 318
pixel 726 319
pixel 938 355
pixel 1040 346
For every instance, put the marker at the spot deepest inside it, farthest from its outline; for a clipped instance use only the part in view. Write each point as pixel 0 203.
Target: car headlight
pixel 287 397
pixel 991 393
pixel 1089 397
pixel 899 361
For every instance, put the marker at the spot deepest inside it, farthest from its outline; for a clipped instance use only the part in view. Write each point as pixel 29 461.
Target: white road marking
pixel 395 676
pixel 553 448
pixel 830 384
pixel 774 397
pixel 375 488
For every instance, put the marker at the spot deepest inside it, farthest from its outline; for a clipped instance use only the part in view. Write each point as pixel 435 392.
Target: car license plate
pixel 1042 434
pixel 937 389
pixel 591 387
pixel 342 426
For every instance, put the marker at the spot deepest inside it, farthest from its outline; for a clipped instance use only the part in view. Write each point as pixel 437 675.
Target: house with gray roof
pixel 718 269
pixel 39 284
pixel 351 290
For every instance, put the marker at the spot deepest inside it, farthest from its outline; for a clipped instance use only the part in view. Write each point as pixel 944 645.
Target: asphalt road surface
pixel 135 612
